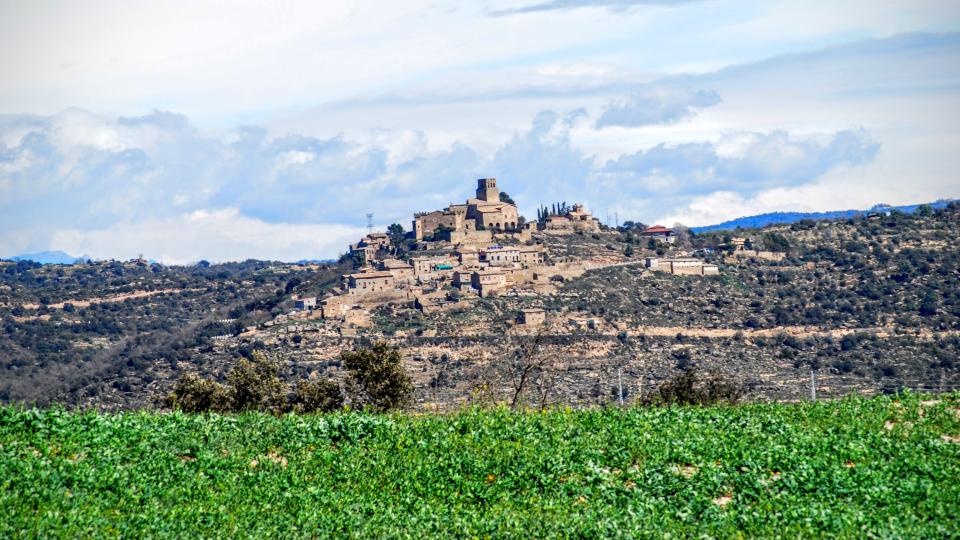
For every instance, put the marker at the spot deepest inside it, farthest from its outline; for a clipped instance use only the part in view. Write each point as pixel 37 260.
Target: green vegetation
pixel 853 468
pixel 376 379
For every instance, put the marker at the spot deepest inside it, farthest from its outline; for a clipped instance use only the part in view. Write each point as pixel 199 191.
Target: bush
pixel 317 396
pixel 193 394
pixel 377 377
pixel 688 388
pixel 254 385
pixel 257 385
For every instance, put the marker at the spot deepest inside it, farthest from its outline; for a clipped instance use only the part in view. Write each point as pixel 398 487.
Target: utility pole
pixel 369 223
pixel 813 386
pixel 620 385
pixel 616 219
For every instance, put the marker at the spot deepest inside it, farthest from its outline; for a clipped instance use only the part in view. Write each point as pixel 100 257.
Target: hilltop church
pixel 485 212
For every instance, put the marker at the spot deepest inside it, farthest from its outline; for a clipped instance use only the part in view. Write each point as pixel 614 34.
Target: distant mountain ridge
pixel 47 257
pixel 773 218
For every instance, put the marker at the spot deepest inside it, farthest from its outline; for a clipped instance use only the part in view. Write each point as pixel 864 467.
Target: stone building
pixel 368 246
pixel 582 220
pixel 308 302
pixel 658 233
pixel 504 255
pixel 485 212
pixel 533 316
pixel 488 282
pixel 400 270
pixel 334 307
pixel 433 266
pixel 485 281
pixel 682 266
pixel 369 282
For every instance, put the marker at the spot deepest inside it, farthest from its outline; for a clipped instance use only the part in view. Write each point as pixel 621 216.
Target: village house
pixel 368 246
pixel 533 316
pixel 334 307
pixel 433 266
pixel 658 233
pixel 504 255
pixel 488 282
pixel 369 282
pixel 578 219
pixel 682 266
pixel 582 220
pixel 400 270
pixel 306 303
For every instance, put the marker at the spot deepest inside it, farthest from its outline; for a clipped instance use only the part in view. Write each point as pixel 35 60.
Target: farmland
pixel 885 466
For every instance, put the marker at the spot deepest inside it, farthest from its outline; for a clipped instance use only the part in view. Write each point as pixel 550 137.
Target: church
pixel 485 212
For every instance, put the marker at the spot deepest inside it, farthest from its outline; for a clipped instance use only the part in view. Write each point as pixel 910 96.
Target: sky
pixel 227 130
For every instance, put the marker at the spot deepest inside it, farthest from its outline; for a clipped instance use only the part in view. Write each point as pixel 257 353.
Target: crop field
pixel 885 467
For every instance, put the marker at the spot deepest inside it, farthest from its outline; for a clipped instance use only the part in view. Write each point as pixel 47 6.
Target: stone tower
pixel 487 190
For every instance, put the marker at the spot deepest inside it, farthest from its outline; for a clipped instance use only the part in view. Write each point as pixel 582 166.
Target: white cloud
pixel 652 105
pixel 211 234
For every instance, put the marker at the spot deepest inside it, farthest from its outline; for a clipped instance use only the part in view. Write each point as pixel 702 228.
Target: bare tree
pixel 682 234
pixel 531 366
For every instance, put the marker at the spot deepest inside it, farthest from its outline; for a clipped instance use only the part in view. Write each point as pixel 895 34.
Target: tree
pixel 317 396
pixel 377 377
pixel 681 234
pixel 193 394
pixel 257 385
pixel 397 235
pixel 928 307
pixel 506 198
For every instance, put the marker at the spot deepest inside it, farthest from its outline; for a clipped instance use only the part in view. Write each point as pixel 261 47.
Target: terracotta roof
pixel 656 229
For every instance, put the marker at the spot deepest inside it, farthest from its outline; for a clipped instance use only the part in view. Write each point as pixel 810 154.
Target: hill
pixel 871 305
pixel 774 218
pixel 882 467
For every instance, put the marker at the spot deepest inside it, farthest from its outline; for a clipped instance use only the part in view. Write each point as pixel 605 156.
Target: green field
pixel 887 467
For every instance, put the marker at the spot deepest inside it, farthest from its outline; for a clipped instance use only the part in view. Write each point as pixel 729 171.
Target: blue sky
pixel 230 130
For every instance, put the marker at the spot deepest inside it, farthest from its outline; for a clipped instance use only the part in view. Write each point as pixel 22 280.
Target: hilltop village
pixel 469 290
pixel 478 249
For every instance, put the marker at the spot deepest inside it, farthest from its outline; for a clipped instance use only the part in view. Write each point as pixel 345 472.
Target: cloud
pixel 154 184
pixel 745 162
pixel 541 162
pixel 612 5
pixel 215 235
pixel 656 106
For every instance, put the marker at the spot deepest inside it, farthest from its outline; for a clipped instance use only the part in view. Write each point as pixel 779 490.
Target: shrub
pixel 317 396
pixel 194 394
pixel 377 377
pixel 689 388
pixel 257 385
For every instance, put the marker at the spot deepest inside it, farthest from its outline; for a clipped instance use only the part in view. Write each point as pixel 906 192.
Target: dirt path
pixel 108 299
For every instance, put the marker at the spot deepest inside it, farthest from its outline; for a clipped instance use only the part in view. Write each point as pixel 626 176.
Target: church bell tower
pixel 487 190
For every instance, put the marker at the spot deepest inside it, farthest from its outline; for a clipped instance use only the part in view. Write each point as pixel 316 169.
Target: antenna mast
pixel 370 223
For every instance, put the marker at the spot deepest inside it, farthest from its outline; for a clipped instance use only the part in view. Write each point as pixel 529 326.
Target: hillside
pixel 870 305
pixel 882 467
